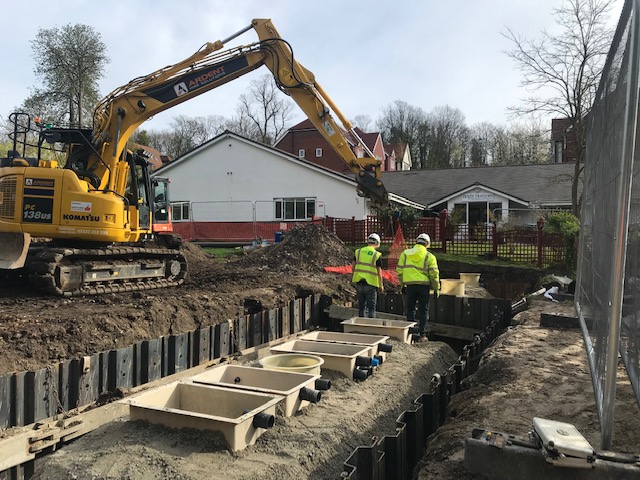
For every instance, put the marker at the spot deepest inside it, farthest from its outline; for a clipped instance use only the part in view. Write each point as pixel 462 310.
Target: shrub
pixel 568 225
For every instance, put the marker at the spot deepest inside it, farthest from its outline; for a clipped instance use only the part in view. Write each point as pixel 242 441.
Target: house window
pixel 295 208
pixel 180 211
pixel 318 152
pixel 301 153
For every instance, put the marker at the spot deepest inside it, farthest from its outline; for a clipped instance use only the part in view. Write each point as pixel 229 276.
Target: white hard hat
pixel 373 238
pixel 424 239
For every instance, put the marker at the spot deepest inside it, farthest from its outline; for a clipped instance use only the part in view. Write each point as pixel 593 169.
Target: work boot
pixel 423 339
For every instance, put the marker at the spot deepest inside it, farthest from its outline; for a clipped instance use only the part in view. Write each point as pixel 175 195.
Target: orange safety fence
pixel 388 275
pixel 398 246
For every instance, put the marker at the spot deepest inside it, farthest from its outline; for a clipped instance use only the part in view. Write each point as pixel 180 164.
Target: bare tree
pixel 404 123
pixel 69 63
pixel 186 134
pixel 263 115
pixel 449 137
pixel 482 138
pixel 562 71
pixel 363 122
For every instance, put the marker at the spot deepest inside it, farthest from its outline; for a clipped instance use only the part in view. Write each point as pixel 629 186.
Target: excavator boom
pixel 118 115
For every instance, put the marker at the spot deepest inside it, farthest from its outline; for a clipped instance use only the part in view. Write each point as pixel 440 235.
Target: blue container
pixel 278 236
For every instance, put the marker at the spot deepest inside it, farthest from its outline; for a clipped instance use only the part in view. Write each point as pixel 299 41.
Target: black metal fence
pixel 395 456
pixel 28 397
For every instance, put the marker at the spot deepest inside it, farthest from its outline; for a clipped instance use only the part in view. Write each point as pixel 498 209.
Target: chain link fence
pixel 607 294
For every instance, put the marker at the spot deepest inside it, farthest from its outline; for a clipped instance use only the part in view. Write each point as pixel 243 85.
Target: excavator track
pixel 72 272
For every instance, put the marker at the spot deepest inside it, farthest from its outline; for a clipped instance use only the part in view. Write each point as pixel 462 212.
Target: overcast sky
pixel 366 54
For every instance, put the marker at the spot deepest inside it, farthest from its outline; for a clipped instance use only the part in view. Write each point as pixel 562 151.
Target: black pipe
pixel 360 374
pixel 415 337
pixel 385 347
pixel 263 420
pixel 362 361
pixel 414 330
pixel 323 384
pixel 379 359
pixel 310 395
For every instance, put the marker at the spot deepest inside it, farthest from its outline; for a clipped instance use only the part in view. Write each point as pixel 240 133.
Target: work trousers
pixel 367 296
pixel 418 294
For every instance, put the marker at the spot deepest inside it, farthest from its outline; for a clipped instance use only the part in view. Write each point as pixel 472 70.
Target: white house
pixel 233 179
pixel 518 193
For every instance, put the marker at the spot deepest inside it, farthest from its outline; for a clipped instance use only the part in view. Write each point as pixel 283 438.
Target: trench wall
pixel 395 456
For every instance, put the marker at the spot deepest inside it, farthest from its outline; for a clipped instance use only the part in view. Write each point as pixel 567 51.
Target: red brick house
pixel 304 141
pixel 563 141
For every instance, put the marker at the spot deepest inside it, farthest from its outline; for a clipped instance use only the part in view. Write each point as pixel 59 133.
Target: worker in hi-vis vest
pixel 418 271
pixel 367 276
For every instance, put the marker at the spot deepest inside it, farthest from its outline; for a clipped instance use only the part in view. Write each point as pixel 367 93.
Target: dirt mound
pixel 198 260
pixel 305 247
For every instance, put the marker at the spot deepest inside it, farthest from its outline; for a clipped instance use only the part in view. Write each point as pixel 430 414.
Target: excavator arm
pixel 119 114
pixel 301 85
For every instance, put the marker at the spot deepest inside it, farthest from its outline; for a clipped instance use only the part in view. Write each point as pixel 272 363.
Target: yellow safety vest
pixel 365 269
pixel 416 266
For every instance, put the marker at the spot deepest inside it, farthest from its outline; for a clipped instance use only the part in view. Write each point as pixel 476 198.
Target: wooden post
pixel 540 225
pixel 353 230
pixel 443 229
pixel 494 236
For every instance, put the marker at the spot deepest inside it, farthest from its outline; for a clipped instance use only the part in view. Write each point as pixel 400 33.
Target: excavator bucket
pixel 369 186
pixel 13 250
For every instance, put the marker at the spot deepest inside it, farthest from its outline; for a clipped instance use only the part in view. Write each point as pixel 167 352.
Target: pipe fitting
pixel 379 359
pixel 263 420
pixel 360 375
pixel 310 395
pixel 323 384
pixel 375 362
pixel 385 347
pixel 362 361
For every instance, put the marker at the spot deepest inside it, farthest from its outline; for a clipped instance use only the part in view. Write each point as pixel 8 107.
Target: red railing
pixel 524 244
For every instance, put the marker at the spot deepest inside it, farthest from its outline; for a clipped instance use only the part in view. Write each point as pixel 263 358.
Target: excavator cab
pixel 161 206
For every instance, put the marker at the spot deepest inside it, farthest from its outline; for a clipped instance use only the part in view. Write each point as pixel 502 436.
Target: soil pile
pixel 306 247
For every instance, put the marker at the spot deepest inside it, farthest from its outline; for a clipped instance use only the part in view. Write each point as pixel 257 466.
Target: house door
pixel 477 221
pixel 477 213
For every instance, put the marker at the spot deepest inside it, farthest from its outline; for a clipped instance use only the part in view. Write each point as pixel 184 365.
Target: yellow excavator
pixel 99 223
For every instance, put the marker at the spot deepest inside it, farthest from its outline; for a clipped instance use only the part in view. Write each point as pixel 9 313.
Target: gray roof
pixel 547 184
